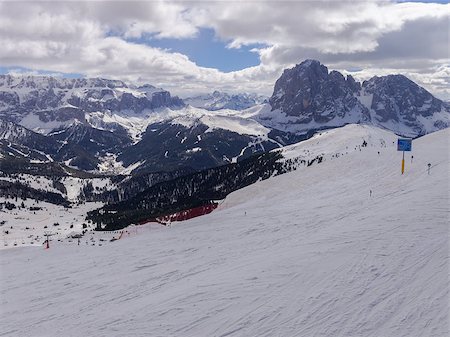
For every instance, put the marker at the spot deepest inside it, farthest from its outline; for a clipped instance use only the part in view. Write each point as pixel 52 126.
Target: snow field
pixel 308 253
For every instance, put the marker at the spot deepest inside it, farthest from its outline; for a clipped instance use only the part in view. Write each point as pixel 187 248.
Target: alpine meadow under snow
pixel 344 247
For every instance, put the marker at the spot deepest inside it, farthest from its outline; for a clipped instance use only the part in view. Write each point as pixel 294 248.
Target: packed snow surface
pixel 308 253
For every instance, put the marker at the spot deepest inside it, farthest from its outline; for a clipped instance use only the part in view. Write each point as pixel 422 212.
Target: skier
pixel 412 157
pixel 429 166
pixel 370 193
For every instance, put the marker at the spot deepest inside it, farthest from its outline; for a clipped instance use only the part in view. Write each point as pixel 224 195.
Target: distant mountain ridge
pixel 222 100
pixel 43 103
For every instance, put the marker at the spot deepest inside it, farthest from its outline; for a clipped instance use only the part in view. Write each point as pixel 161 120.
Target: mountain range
pixel 108 126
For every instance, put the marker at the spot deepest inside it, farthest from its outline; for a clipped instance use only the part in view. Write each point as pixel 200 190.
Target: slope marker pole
pixel 403 162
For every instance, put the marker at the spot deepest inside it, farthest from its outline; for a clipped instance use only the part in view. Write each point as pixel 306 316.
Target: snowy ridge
pixel 225 119
pixel 24 85
pixel 189 116
pixel 11 131
pixel 329 143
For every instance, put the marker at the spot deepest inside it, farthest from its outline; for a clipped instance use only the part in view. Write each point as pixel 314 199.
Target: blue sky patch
pixel 206 50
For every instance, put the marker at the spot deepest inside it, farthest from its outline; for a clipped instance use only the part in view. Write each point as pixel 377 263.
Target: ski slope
pixel 308 253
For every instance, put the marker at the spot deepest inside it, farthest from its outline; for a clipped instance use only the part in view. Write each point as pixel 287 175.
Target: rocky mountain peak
pixel 397 98
pixel 311 97
pixel 310 92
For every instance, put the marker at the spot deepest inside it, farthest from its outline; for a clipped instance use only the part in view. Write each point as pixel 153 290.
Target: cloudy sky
pixel 191 47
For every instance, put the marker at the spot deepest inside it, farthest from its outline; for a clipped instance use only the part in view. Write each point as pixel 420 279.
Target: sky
pixel 192 47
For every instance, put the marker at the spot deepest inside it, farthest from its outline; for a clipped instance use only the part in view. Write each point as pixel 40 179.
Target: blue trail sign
pixel 404 144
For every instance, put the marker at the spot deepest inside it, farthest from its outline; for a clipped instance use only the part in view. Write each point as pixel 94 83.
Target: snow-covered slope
pixel 225 119
pixel 308 253
pixel 26 226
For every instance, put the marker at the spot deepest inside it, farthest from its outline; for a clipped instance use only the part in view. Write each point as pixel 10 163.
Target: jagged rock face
pixel 395 97
pixel 8 99
pixel 62 114
pixel 310 97
pixel 62 99
pixel 310 92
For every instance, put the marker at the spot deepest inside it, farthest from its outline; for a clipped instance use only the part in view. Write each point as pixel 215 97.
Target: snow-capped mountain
pixel 222 100
pixel 308 96
pixel 43 103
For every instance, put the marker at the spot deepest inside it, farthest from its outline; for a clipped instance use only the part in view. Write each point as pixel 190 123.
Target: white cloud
pixel 93 38
pixel 326 26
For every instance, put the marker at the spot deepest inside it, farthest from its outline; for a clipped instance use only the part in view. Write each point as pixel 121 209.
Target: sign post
pixel 404 144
